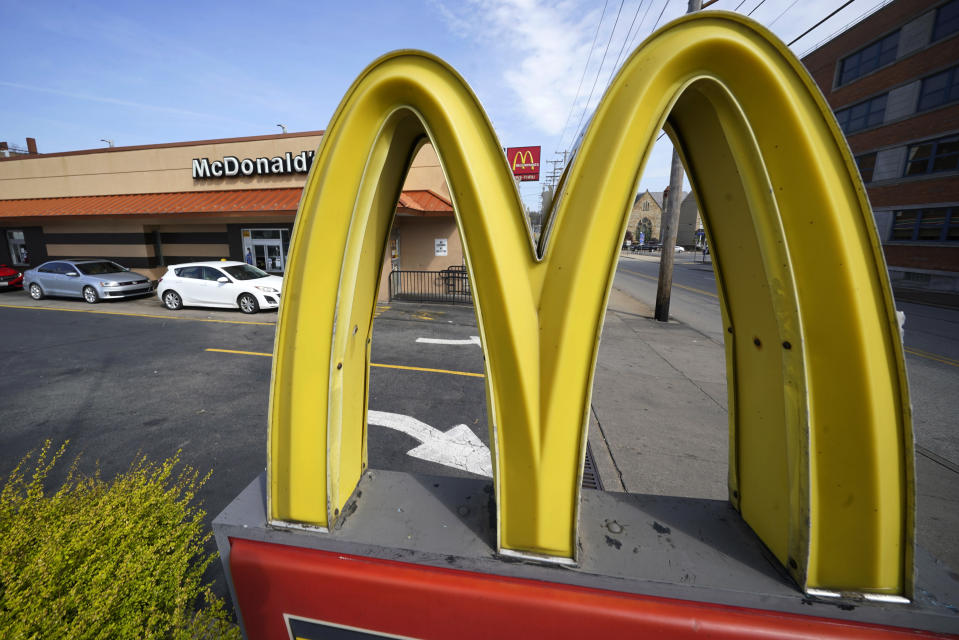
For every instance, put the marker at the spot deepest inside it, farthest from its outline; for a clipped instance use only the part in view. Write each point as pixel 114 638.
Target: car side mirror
pixel 223 279
pixel 73 274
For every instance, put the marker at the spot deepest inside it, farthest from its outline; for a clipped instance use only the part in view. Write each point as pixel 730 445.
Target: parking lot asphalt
pixel 115 380
pixel 129 378
pixel 125 377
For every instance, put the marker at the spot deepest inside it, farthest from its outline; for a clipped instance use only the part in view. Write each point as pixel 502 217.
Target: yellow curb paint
pixel 133 315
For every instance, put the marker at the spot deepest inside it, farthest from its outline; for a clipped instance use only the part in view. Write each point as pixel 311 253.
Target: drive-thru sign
pixel 821 468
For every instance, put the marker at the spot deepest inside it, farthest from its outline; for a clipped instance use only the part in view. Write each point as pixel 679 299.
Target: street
pixel 932 364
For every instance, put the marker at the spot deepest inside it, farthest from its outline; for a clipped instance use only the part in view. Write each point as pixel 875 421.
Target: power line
pixel 793 4
pixel 660 15
pixel 588 58
pixel 599 70
pixel 641 23
pixel 807 31
pixel 756 7
pixel 739 5
pixel 869 11
pixel 626 39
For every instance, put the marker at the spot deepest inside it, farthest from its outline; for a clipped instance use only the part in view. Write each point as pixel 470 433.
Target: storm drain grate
pixel 590 477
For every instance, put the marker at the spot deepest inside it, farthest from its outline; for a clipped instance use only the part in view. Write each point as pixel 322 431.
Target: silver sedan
pixel 92 280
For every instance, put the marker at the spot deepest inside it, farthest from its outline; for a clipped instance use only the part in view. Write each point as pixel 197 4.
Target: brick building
pixel 892 81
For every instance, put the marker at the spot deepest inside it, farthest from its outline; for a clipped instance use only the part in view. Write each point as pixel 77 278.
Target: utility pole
pixel 557 170
pixel 670 226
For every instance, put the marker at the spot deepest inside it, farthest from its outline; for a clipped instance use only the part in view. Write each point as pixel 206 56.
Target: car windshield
pixel 245 272
pixel 99 268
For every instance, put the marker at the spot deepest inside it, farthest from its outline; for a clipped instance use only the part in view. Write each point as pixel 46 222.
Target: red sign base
pixel 290 592
pixel 413 557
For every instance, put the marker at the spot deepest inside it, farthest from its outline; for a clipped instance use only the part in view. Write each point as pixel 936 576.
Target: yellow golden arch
pixel 820 428
pixel 522 158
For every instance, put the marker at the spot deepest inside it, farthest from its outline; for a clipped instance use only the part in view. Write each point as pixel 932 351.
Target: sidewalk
pixel 659 413
pixel 685 257
pixel 659 422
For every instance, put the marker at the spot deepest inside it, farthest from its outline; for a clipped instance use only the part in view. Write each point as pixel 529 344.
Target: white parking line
pixel 472 340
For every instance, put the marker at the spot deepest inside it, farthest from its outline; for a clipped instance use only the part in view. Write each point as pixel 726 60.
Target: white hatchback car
pixel 235 285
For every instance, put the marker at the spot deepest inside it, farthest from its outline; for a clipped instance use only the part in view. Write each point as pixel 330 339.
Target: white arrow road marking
pixel 472 340
pixel 458 448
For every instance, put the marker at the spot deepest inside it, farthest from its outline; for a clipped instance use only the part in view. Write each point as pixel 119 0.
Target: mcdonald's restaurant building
pixel 150 206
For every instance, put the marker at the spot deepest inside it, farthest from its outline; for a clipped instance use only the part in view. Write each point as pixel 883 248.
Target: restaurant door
pixel 268 255
pixel 266 248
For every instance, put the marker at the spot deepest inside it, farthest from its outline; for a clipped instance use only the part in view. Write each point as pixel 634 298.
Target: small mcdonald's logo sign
pixel 524 161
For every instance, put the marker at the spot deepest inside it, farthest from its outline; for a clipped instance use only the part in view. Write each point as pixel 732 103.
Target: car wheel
pixel 248 303
pixel 172 300
pixel 36 292
pixel 90 295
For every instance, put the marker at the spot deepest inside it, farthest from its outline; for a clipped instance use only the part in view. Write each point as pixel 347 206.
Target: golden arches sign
pixel 820 432
pixel 522 159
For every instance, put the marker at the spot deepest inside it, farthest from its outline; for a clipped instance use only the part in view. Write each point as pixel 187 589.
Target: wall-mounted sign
pixel 439 245
pixel 524 162
pixel 232 167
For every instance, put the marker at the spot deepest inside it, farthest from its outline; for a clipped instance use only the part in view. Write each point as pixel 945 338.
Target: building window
pixel 17 244
pixel 933 156
pixel 866 164
pixel 868 113
pixel 644 231
pixel 870 58
pixel 645 205
pixel 947 20
pixel 940 224
pixel 939 89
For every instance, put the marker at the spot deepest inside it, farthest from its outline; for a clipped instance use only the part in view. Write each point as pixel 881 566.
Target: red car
pixel 10 278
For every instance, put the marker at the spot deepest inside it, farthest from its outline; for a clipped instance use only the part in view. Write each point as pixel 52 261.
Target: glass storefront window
pixel 266 249
pixel 17 245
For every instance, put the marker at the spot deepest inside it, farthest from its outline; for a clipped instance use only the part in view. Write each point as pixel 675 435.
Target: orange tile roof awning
pixel 193 202
pixel 234 201
pixel 424 202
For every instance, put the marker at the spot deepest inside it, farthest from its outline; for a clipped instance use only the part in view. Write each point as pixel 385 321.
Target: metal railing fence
pixel 451 285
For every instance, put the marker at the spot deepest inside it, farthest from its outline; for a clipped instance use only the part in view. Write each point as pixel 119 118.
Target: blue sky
pixel 137 72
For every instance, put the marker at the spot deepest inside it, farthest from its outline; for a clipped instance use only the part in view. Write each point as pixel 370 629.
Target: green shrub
pixel 123 559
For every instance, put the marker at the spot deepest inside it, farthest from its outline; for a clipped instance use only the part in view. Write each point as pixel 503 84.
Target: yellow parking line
pixel 372 364
pixel 135 315
pixel 680 286
pixel 242 353
pixel 452 373
pixel 932 356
